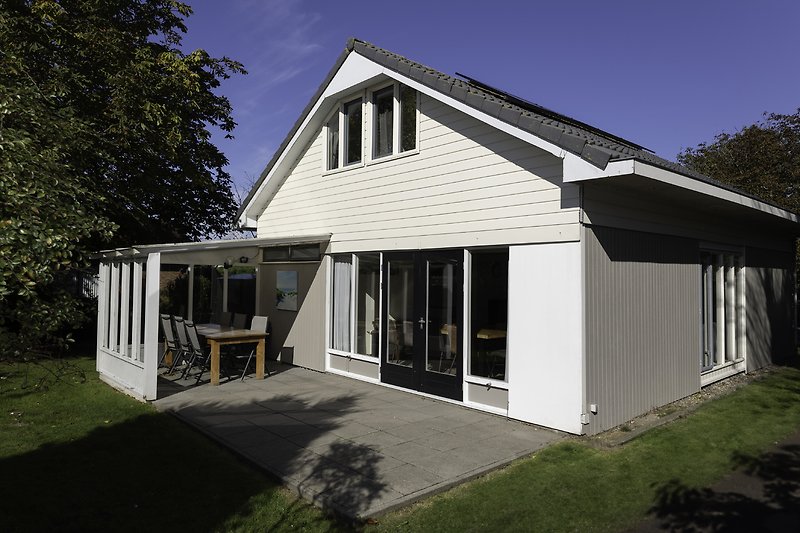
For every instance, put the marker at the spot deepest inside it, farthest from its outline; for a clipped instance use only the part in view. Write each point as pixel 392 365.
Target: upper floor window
pixel 390 135
pixel 393 129
pixel 348 120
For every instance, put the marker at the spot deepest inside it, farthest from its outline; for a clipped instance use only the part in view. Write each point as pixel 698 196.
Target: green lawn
pixel 82 457
pixel 574 487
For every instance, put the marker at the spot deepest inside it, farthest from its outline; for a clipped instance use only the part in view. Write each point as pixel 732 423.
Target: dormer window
pixel 389 135
pixel 348 120
pixel 392 111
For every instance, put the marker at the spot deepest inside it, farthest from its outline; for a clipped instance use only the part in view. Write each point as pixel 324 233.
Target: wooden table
pixel 488 334
pixel 234 336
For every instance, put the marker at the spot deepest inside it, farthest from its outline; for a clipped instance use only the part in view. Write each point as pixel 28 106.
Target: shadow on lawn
pixel 153 473
pixel 764 495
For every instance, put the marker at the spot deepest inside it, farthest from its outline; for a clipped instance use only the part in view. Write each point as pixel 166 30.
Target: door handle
pixel 421 323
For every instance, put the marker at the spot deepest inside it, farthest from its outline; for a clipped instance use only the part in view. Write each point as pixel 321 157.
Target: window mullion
pixel 397 119
pixel 342 136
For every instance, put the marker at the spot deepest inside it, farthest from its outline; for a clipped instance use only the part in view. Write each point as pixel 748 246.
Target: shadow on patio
pixel 356 448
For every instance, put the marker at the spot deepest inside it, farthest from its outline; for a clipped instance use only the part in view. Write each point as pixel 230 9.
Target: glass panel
pixel 442 335
pixel 408 118
pixel 400 305
pixel 383 121
pixel 333 141
pixel 342 266
pixel 352 148
pixel 367 299
pixel 278 253
pixel 489 314
pixel 707 359
pixel 305 252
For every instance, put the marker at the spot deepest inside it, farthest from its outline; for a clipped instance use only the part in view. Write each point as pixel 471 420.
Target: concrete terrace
pixel 357 448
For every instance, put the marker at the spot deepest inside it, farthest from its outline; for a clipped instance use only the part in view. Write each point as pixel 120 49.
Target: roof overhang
pixel 577 171
pixel 207 252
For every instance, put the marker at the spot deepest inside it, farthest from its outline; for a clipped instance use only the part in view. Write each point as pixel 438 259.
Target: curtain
pixel 342 273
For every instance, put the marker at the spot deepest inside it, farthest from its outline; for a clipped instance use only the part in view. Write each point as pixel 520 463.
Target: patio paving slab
pixel 357 448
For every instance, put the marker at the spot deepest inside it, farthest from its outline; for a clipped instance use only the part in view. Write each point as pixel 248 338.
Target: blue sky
pixel 664 74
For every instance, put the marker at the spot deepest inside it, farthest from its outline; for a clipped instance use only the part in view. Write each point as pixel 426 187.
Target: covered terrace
pixel 129 300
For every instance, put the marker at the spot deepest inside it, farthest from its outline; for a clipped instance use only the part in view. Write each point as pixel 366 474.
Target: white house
pixel 456 241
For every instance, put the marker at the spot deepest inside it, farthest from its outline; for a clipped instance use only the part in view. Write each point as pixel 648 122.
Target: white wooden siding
pixel 469 184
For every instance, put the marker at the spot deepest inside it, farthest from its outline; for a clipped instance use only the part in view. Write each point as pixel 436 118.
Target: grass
pixel 575 487
pixel 80 456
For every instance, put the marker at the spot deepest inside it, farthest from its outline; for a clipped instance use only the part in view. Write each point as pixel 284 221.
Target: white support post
pixel 124 309
pixel 113 314
pixel 150 352
pixel 136 321
pixel 190 310
pixel 102 310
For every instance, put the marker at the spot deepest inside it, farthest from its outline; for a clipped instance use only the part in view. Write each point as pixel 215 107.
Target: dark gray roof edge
pixel 590 146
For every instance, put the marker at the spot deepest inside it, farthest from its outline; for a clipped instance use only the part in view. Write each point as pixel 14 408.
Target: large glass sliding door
pixel 423 294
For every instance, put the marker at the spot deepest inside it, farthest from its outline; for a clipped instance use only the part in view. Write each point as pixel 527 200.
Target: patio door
pixel 422 308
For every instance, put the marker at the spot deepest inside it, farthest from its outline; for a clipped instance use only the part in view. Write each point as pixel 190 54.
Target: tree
pixel 762 159
pixel 104 141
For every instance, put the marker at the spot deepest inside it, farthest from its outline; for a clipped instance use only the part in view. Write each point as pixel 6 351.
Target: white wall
pixel 468 185
pixel 545 340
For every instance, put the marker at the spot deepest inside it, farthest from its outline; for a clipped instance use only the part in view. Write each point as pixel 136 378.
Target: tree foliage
pixel 762 159
pixel 104 141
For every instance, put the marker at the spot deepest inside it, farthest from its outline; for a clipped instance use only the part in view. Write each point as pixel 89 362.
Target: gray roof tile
pixel 458 91
pixel 510 114
pixel 474 99
pixel 529 123
pixel 491 107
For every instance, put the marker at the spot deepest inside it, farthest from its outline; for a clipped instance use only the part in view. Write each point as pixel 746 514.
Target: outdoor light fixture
pixel 228 263
pixel 244 259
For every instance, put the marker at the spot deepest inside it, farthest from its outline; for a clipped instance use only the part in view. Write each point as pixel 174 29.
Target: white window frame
pixel 368 136
pixel 351 352
pixel 396 123
pixel 728 274
pixel 469 377
pixel 340 110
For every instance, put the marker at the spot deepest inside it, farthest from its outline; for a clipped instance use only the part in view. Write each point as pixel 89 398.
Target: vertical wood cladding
pixel 642 323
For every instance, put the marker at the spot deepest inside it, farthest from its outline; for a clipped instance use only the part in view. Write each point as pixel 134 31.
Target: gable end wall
pixel 469 185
